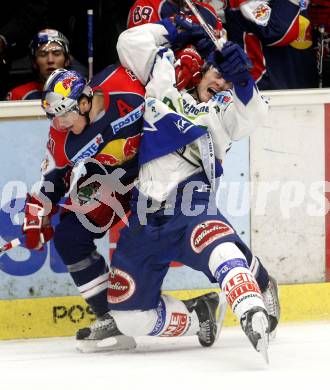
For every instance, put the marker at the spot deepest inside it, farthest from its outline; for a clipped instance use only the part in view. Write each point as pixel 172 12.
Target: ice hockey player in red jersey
pixel 276 35
pixel 101 120
pixel 49 50
pixel 150 11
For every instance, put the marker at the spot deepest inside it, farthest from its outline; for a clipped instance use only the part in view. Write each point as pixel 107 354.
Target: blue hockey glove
pixel 232 62
pixel 182 31
pixel 205 47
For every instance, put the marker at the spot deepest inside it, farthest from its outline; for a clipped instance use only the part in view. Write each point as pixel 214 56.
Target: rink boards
pixel 63 316
pixel 281 172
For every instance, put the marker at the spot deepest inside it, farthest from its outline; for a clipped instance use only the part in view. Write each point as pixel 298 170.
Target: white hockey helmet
pixel 47 36
pixel 62 92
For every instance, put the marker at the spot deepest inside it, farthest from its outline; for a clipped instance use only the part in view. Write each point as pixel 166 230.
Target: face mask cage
pixel 73 109
pixel 65 120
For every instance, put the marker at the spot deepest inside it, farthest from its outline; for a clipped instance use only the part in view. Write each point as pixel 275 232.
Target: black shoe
pixel 255 324
pixel 206 309
pixel 102 328
pixel 89 339
pixel 272 303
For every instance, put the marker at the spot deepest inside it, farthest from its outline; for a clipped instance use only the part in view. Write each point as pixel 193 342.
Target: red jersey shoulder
pixel 115 79
pixel 144 11
pixel 122 80
pixel 31 90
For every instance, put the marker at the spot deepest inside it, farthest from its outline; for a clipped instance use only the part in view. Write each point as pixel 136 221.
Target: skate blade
pixel 221 312
pixel 260 324
pixel 118 343
pixel 272 335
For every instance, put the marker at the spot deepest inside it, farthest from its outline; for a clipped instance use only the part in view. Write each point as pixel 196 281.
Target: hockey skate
pixel 103 335
pixel 255 324
pixel 210 309
pixel 272 303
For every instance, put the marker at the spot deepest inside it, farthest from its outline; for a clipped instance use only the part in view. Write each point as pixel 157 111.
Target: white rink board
pixel 288 230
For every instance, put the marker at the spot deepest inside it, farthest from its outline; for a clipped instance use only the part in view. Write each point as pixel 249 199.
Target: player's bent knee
pixel 224 254
pixel 135 322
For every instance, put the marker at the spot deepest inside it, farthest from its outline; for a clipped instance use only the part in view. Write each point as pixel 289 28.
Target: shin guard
pixel 229 266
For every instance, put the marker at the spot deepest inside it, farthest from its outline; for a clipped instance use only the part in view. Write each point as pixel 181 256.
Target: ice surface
pixel 299 359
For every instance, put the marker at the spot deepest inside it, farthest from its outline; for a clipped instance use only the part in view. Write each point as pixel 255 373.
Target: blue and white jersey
pixel 183 137
pixel 221 120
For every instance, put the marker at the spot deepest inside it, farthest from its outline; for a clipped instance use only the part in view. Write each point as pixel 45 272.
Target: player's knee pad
pixel 174 319
pixel 135 322
pixel 170 318
pixel 229 266
pixel 224 257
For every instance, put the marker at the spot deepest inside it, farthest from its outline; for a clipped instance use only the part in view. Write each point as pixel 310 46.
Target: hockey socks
pixel 229 266
pixel 170 319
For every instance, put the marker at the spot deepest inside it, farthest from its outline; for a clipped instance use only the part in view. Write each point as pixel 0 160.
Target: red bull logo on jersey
pixel 120 150
pixel 128 119
pixel 63 87
pixel 304 40
pixel 88 150
pixel 262 14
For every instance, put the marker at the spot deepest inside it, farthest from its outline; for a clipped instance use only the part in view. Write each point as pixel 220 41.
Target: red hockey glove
pixel 36 226
pixel 188 68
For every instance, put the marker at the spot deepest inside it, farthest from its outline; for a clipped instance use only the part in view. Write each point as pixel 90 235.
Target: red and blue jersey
pixel 281 50
pixel 112 139
pixel 28 91
pixel 150 11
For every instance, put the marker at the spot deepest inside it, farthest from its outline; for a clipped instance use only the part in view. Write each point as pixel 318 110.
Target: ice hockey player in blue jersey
pixel 174 214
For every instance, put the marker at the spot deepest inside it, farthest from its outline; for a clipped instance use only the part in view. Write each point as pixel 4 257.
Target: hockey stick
pixel 90 20
pixel 9 245
pixel 320 54
pixel 303 4
pixel 217 42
